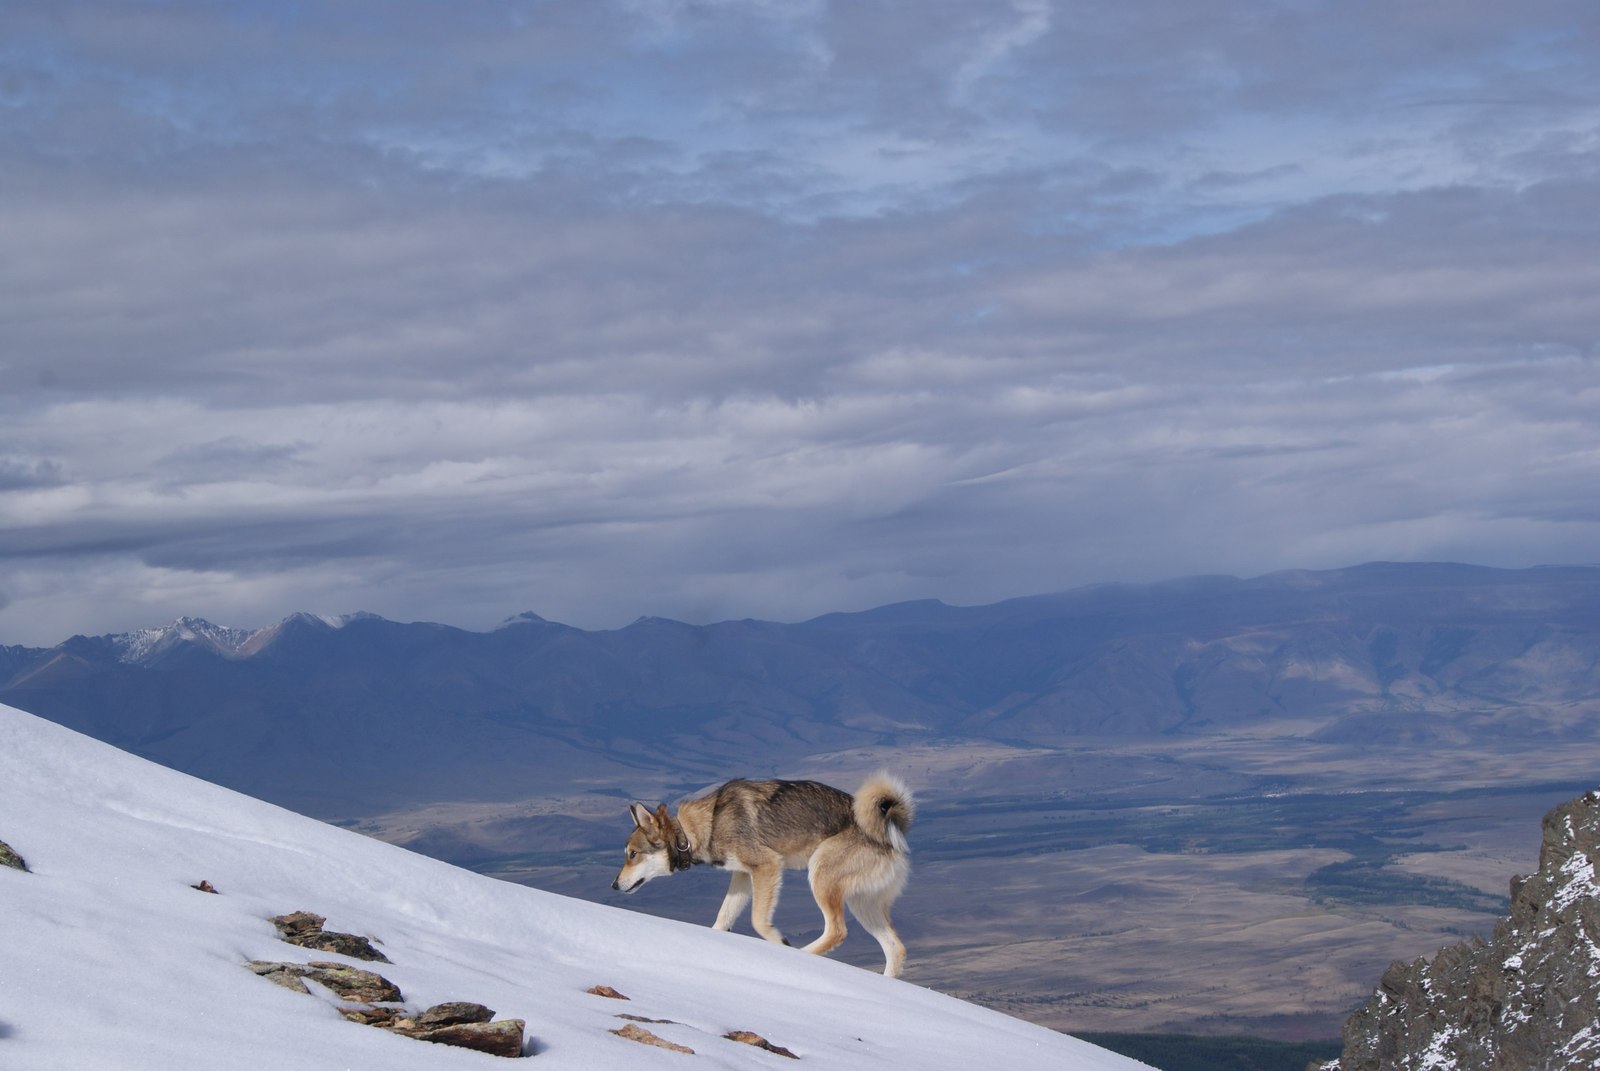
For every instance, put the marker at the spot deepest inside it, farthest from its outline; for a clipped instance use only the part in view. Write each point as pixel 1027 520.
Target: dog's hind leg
pixel 873 913
pixel 830 897
pixel 734 903
pixel 766 879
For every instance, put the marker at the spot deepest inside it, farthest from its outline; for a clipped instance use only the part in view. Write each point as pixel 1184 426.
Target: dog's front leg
pixel 766 880
pixel 734 903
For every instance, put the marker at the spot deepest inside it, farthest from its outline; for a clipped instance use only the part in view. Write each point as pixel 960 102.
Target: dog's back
pixel 788 817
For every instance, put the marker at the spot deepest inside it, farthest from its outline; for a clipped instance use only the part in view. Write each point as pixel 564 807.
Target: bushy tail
pixel 884 809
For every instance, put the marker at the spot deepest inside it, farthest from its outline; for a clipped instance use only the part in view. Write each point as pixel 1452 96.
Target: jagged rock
pixel 748 1037
pixel 297 924
pixel 1528 998
pixel 10 858
pixel 500 1038
pixel 635 1032
pixel 604 991
pixel 288 975
pixel 454 1013
pixel 304 928
pixel 350 983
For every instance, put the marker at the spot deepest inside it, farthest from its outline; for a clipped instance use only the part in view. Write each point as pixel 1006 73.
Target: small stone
pixel 10 858
pixel 204 886
pixel 304 928
pixel 500 1038
pixel 635 1032
pixel 384 1018
pixel 297 924
pixel 454 1012
pixel 604 991
pixel 748 1037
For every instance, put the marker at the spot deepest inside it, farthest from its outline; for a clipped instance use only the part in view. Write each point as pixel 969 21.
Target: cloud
pixel 772 309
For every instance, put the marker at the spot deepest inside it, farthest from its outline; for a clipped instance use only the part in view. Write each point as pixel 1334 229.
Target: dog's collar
pixel 680 856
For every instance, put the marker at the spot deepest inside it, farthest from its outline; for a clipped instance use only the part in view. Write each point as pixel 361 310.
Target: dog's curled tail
pixel 884 809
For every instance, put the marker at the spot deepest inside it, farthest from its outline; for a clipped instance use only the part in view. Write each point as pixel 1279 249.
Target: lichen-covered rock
pixel 1528 998
pixel 304 928
pixel 11 858
pixel 453 1013
pixel 503 1037
pixel 350 983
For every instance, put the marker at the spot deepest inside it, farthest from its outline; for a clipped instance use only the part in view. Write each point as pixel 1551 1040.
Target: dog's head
pixel 649 851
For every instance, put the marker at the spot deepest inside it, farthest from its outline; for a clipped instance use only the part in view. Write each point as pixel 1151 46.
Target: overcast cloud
pixel 722 308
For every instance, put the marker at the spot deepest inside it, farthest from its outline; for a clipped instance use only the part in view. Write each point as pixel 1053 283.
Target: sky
pixel 709 309
pixel 114 845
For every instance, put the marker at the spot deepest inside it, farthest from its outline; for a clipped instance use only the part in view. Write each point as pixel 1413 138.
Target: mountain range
pixel 1412 652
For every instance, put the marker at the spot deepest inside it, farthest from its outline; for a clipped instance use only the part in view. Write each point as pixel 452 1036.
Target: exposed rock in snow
pixel 11 858
pixel 304 928
pixel 1528 998
pixel 345 981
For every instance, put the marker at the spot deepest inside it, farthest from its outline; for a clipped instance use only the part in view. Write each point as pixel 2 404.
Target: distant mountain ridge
pixel 1374 652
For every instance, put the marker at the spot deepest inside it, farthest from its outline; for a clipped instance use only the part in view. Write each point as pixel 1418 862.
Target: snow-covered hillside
pixel 110 959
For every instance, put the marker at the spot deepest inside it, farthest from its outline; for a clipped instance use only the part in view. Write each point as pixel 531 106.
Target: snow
pixel 1437 1057
pixel 137 646
pixel 1578 881
pixel 109 959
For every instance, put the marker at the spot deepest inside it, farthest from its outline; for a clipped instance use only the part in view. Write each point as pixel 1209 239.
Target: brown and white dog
pixel 854 849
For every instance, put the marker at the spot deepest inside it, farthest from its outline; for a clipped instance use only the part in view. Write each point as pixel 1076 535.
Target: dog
pixel 854 849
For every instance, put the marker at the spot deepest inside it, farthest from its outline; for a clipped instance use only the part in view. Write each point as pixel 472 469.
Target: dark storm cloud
pixel 734 308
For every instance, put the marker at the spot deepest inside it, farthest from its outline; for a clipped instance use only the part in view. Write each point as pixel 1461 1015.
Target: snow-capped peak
pixel 146 643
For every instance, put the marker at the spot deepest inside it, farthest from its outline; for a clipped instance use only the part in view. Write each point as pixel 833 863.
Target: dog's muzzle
pixel 617 885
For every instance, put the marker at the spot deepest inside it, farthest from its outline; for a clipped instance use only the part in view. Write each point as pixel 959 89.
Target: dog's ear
pixel 643 818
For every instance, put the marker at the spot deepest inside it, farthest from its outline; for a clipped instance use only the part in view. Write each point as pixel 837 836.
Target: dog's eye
pixel 632 854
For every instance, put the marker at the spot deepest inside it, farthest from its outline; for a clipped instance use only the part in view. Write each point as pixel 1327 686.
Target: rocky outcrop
pixel 304 928
pixel 11 858
pixel 378 1002
pixel 1528 998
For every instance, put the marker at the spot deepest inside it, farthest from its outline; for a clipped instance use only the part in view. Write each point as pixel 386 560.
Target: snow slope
pixel 110 960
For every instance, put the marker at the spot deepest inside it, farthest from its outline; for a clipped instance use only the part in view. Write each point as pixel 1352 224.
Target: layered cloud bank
pixel 714 310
